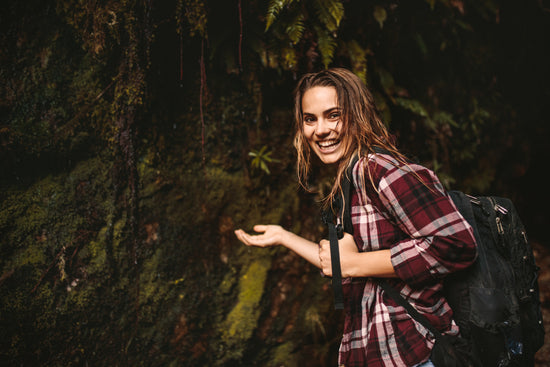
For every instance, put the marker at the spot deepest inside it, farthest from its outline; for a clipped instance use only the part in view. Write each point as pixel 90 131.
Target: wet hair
pixel 362 128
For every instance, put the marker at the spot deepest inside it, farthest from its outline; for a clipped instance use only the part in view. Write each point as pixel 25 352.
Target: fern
pixel 326 45
pixel 412 105
pixel 273 10
pixel 330 13
pixel 443 118
pixel 296 29
pixel 358 58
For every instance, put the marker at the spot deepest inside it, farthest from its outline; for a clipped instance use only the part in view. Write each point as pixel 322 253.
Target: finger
pixel 324 258
pixel 260 228
pixel 327 270
pixel 242 236
pixel 255 240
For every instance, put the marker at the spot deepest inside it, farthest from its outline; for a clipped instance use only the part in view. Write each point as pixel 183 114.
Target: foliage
pixel 261 158
pixel 131 133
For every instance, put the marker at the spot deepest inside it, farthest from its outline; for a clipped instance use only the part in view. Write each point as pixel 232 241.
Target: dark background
pixel 135 136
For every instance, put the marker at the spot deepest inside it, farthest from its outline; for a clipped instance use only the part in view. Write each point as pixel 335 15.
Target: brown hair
pixel 362 128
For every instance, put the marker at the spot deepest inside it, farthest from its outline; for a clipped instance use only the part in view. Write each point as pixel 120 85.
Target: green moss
pixel 96 248
pixel 283 356
pixel 153 288
pixel 227 283
pixel 241 322
pixel 118 235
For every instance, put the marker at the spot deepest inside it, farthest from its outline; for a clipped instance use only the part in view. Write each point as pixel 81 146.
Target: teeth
pixel 328 143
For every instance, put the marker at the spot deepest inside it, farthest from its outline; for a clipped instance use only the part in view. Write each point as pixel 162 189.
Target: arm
pixel 354 263
pixel 273 235
pixel 440 240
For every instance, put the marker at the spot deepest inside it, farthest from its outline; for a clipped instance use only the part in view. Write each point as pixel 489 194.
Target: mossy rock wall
pixel 71 294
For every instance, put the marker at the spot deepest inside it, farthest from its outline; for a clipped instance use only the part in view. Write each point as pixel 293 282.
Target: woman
pixel 406 228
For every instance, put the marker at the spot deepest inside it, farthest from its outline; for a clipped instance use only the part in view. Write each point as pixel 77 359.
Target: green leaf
pixel 387 81
pixel 412 105
pixel 261 158
pixel 326 45
pixel 296 29
pixel 358 58
pixel 273 10
pixel 444 118
pixel 380 15
pixel 330 13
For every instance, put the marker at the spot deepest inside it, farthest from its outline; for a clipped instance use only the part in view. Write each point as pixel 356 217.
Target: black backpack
pixel 496 300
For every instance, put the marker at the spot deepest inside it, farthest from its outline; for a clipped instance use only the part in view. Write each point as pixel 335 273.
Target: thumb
pixel 260 228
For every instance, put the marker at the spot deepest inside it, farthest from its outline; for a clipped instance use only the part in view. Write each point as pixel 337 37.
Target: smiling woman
pixel 338 99
pixel 322 126
pixel 405 226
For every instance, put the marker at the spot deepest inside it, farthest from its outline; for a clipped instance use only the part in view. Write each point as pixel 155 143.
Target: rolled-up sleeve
pixel 440 241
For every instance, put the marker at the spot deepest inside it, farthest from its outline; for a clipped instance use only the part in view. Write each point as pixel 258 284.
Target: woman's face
pixel 322 123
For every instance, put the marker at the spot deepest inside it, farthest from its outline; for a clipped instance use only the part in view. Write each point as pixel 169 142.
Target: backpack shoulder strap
pixel 336 232
pixel 464 205
pixel 347 186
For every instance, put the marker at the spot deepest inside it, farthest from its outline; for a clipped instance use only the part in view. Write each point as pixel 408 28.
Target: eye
pixel 334 115
pixel 309 119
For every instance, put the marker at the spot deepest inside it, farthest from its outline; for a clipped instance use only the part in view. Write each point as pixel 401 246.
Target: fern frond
pixel 296 29
pixel 443 118
pixel 330 13
pixel 358 58
pixel 273 10
pixel 413 105
pixel 326 45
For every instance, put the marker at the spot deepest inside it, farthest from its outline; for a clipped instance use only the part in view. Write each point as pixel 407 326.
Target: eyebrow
pixel 332 109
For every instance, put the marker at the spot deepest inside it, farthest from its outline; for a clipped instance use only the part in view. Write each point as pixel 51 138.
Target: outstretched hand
pixel 270 235
pixel 348 249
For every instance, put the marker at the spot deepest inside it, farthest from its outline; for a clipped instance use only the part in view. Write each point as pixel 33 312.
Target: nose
pixel 323 127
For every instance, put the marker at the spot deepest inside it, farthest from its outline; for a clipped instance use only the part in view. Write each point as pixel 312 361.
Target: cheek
pixel 308 132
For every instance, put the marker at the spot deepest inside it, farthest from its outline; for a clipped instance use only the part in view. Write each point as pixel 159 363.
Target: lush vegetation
pixel 137 135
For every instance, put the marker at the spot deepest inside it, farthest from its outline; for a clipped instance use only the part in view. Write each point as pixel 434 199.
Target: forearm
pixel 306 249
pixel 368 264
pixel 356 264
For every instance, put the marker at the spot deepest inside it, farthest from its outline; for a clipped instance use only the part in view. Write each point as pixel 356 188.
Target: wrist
pixel 349 265
pixel 284 235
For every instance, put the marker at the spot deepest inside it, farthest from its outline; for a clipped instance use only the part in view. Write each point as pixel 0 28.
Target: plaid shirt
pixel 428 239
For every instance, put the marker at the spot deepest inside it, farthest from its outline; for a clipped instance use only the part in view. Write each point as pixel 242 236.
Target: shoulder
pixel 379 165
pixel 382 170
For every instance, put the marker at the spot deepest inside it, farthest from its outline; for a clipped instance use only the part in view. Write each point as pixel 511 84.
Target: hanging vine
pixel 191 14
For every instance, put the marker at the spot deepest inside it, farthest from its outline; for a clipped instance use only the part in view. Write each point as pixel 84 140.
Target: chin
pixel 330 158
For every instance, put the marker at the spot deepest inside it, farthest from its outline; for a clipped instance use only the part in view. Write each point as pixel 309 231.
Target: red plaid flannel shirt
pixel 428 239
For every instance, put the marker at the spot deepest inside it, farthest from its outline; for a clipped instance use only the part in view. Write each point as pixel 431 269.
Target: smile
pixel 328 144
